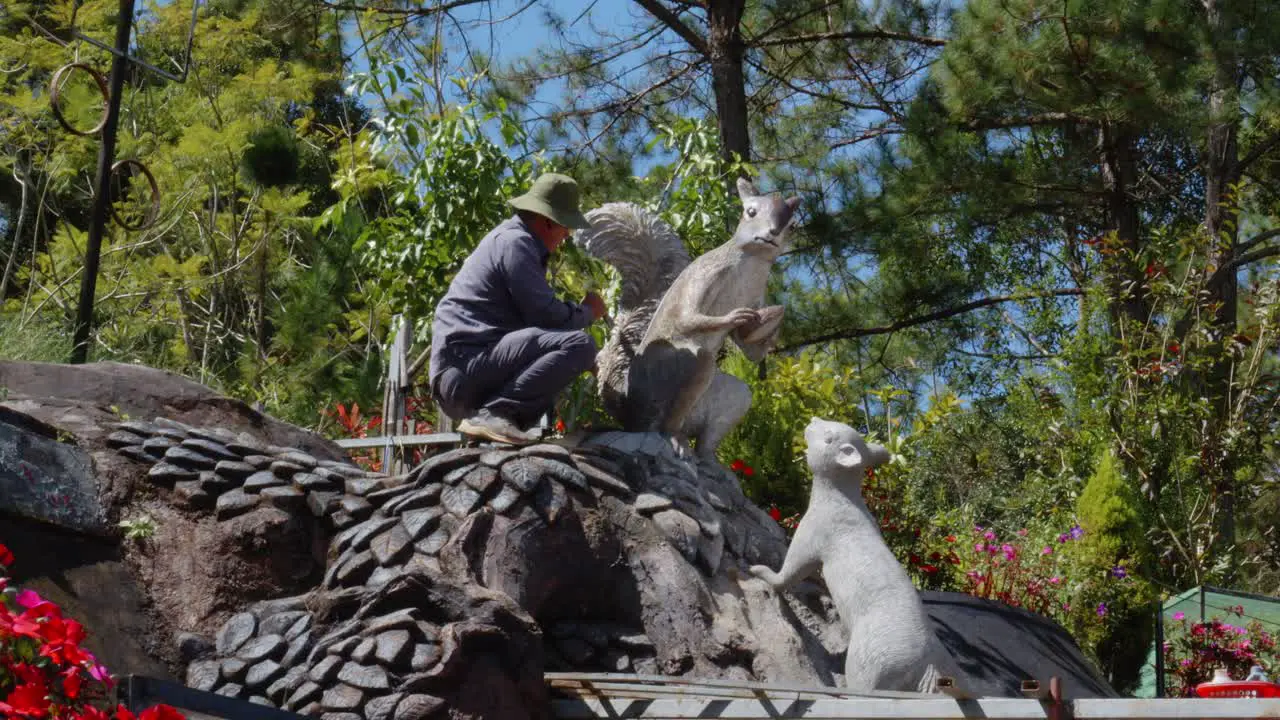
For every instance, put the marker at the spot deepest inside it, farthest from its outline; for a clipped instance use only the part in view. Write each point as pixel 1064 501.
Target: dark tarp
pixel 997 647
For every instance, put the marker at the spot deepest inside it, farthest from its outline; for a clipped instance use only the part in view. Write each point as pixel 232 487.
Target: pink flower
pixel 989 535
pixel 100 674
pixel 1055 580
pixel 1022 532
pixel 1008 552
pixel 29 599
pixel 1046 550
pixel 979 547
pixel 1179 615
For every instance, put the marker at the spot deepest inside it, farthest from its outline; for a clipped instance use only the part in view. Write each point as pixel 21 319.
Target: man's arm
pixel 538 305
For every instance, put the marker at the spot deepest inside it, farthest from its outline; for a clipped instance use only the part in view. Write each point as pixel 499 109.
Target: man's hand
pixel 596 304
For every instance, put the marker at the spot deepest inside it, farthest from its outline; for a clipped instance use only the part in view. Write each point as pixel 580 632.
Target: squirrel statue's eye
pixel 751 212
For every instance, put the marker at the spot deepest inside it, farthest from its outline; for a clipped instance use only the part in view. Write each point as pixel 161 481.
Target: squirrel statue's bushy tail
pixel 649 256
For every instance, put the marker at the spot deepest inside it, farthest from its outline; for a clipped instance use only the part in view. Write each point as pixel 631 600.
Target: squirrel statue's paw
pixel 741 317
pixel 764 331
pixel 764 573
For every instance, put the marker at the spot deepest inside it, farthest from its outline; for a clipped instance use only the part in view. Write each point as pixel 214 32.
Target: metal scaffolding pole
pixel 102 184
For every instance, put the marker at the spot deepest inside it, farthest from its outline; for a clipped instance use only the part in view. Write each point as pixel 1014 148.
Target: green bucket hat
pixel 553 196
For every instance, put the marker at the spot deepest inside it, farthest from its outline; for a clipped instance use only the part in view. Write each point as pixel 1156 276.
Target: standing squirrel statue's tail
pixel 649 256
pixel 658 370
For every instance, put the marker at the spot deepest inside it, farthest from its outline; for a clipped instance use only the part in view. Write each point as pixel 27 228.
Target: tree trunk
pixel 1222 173
pixel 728 80
pixel 1124 277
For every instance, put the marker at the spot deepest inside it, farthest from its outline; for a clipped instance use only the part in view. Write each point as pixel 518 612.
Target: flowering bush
pixel 1018 572
pixel 928 555
pixel 1194 650
pixel 44 673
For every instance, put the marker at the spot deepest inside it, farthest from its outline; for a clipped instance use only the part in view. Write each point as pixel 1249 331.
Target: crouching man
pixel 502 344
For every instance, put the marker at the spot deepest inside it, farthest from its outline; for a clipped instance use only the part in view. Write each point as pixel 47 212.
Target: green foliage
pixel 242 155
pixel 771 437
pixel 424 188
pixel 1112 515
pixel 1110 512
pixel 142 527
pixel 696 194
pixel 271 159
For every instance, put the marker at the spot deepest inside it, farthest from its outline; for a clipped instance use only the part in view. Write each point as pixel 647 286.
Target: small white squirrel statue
pixel 892 645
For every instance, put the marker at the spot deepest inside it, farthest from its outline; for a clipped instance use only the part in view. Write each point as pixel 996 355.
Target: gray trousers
pixel 518 378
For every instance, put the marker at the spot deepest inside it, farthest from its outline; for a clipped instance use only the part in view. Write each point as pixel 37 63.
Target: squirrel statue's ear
pixel 746 189
pixel 847 456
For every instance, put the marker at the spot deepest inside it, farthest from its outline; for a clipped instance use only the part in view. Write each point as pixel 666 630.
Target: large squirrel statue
pixel 658 370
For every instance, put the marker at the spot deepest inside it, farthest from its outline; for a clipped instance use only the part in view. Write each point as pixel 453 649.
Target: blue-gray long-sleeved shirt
pixel 502 287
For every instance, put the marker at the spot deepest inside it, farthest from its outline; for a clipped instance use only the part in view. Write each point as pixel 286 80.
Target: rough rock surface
pixel 286 576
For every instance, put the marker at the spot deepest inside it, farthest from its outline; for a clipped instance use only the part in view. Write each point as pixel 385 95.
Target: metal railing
pixel 138 693
pixel 587 696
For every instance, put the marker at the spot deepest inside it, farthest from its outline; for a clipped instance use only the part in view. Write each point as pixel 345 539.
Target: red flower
pixel 929 568
pixel 62 642
pixel 748 471
pixel 160 712
pixel 1174 348
pixel 737 465
pixel 951 538
pixel 775 513
pixel 30 699
pixel 44 673
pixel 71 682
pixel 6 557
pixel 559 425
pixel 914 559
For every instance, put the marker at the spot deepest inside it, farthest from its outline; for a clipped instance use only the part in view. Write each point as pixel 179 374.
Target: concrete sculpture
pixel 658 371
pixel 892 645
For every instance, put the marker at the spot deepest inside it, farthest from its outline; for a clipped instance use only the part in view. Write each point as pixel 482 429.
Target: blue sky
pixel 509 30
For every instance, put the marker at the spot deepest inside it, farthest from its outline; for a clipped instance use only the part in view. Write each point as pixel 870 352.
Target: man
pixel 502 344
